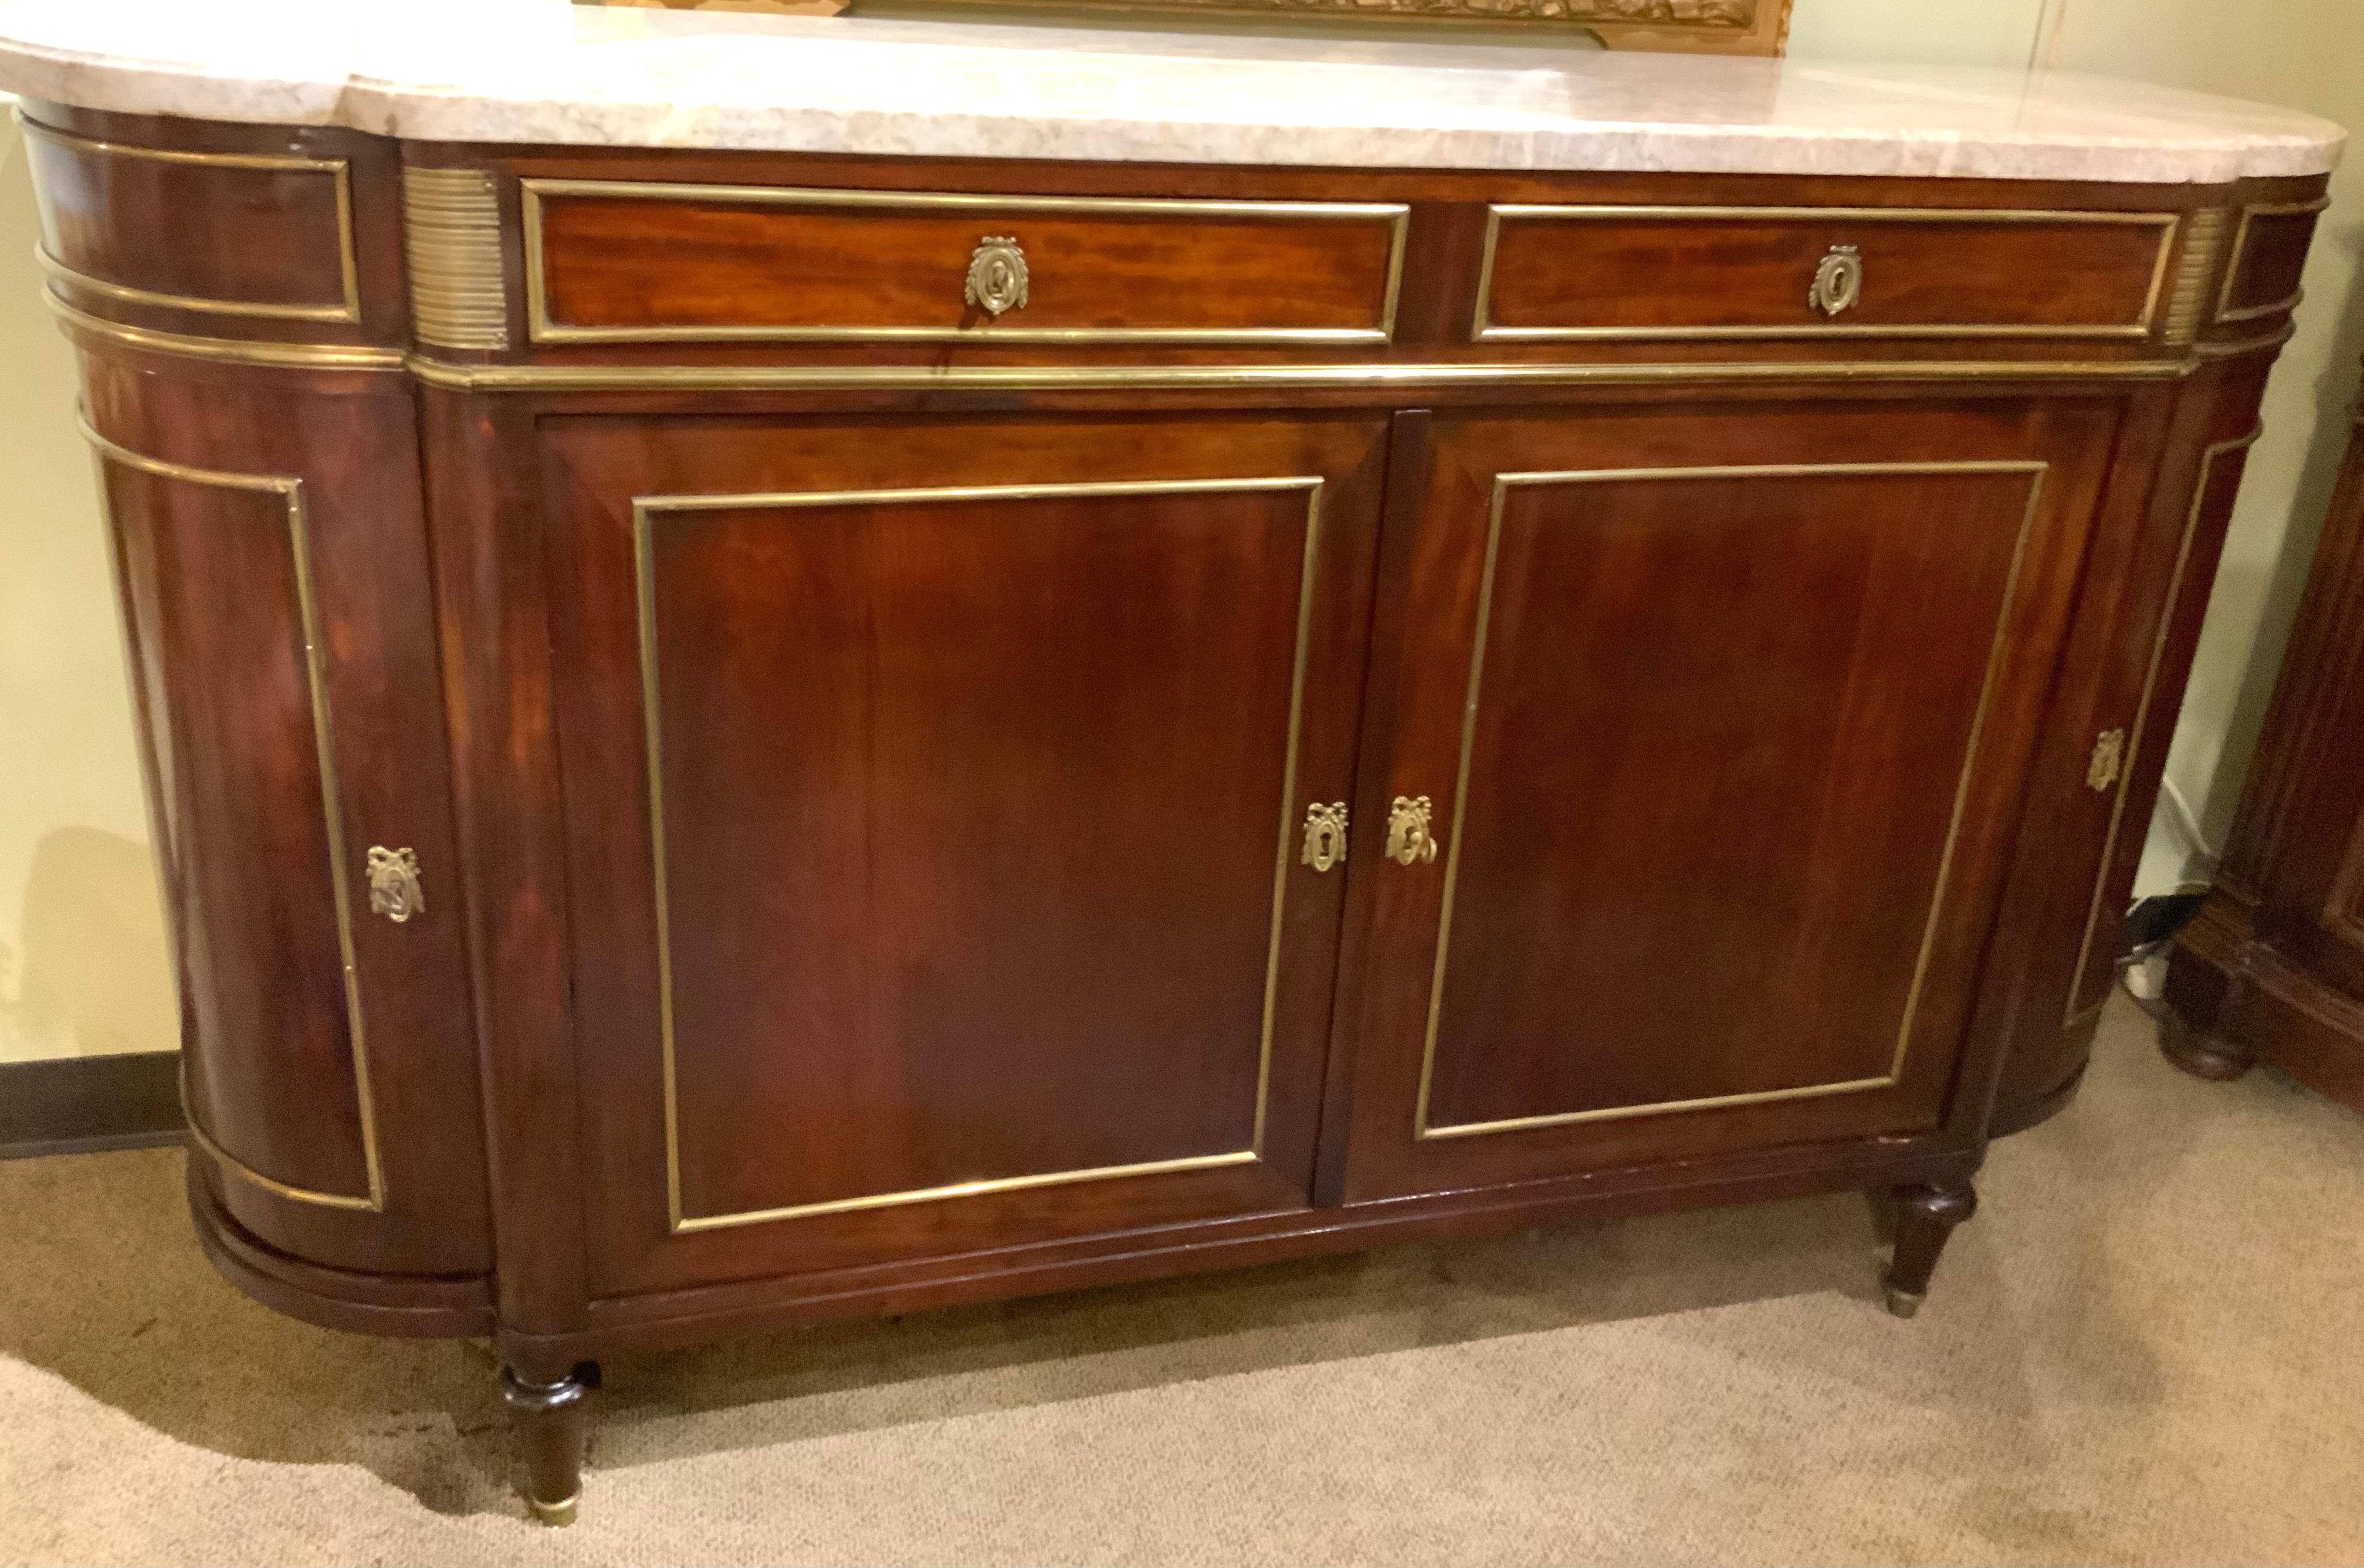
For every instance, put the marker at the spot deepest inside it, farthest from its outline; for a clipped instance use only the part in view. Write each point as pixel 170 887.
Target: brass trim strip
pixel 2205 232
pixel 1482 329
pixel 452 237
pixel 2036 470
pixel 1088 378
pixel 645 508
pixel 349 309
pixel 2204 352
pixel 290 491
pixel 2126 769
pixel 2224 311
pixel 541 328
pixel 226 350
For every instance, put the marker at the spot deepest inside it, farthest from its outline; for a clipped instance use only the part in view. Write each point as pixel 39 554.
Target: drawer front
pixel 1576 273
pixel 617 262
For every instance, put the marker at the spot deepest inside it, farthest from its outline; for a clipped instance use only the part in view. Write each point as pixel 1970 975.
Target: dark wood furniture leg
pixel 1926 1217
pixel 552 1420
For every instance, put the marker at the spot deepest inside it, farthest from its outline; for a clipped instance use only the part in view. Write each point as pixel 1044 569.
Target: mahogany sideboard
pixel 2272 967
pixel 739 736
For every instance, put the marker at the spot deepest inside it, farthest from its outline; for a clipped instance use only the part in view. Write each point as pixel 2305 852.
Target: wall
pixel 83 965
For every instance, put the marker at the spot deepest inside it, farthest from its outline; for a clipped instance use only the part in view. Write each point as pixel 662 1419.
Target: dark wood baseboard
pixel 78 1104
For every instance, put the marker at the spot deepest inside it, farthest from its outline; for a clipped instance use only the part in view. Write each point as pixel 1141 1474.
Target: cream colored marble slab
pixel 546 72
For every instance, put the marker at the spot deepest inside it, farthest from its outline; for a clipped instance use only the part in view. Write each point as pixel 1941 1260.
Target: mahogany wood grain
pixel 1646 271
pixel 2263 272
pixel 971 814
pixel 686 263
pixel 1720 728
pixel 214 600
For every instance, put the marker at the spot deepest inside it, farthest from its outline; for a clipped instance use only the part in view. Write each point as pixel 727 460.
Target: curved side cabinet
pixel 271 557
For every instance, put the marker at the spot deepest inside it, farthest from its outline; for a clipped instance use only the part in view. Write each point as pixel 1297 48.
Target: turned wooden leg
pixel 1926 1217
pixel 551 1422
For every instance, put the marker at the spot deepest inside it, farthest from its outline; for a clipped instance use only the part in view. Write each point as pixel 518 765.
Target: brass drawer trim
pixel 349 308
pixel 2035 471
pixel 1483 329
pixel 541 328
pixel 646 509
pixel 290 492
pixel 2225 309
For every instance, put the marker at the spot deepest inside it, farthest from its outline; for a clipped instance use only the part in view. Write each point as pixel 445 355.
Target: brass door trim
pixel 2127 765
pixel 647 508
pixel 2035 468
pixel 541 328
pixel 1291 377
pixel 290 490
pixel 1482 329
pixel 349 308
pixel 2225 310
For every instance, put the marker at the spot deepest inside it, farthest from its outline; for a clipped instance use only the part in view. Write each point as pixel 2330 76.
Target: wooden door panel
pixel 1712 749
pixel 935 879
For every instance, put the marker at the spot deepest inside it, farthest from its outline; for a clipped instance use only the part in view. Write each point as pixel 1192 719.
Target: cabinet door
pixel 935 804
pixel 1719 718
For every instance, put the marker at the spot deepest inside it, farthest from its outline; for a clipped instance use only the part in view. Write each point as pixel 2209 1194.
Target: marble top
pixel 543 71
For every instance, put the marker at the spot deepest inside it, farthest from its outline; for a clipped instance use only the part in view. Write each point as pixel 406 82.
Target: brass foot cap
pixel 1903 1303
pixel 558 1513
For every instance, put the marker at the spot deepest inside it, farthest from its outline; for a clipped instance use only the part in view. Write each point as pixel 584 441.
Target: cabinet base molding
pixel 2233 1001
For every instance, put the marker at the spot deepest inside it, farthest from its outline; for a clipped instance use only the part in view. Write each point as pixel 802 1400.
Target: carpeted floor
pixel 2148 1348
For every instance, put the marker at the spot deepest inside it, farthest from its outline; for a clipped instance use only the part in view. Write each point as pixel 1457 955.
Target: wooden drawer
pixel 1606 272
pixel 611 262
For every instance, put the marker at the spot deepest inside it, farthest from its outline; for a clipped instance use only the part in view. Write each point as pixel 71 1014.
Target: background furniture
pixel 745 736
pixel 2272 968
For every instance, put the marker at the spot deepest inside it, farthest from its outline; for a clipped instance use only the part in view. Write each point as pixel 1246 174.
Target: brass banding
pixel 451 237
pixel 290 492
pixel 1483 329
pixel 1185 378
pixel 646 509
pixel 349 305
pixel 226 350
pixel 2133 750
pixel 543 329
pixel 1504 484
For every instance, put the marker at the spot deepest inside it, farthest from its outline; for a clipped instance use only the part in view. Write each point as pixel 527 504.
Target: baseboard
pixel 78 1104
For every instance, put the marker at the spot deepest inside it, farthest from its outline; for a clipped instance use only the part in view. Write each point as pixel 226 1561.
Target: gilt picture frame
pixel 1707 26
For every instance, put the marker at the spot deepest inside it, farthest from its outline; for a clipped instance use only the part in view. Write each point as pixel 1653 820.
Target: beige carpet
pixel 2148 1348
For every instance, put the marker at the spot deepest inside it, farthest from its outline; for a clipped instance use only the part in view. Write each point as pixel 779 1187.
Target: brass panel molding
pixel 452 234
pixel 348 308
pixel 647 510
pixel 2134 733
pixel 541 328
pixel 289 491
pixel 2034 471
pixel 2224 307
pixel 1483 329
